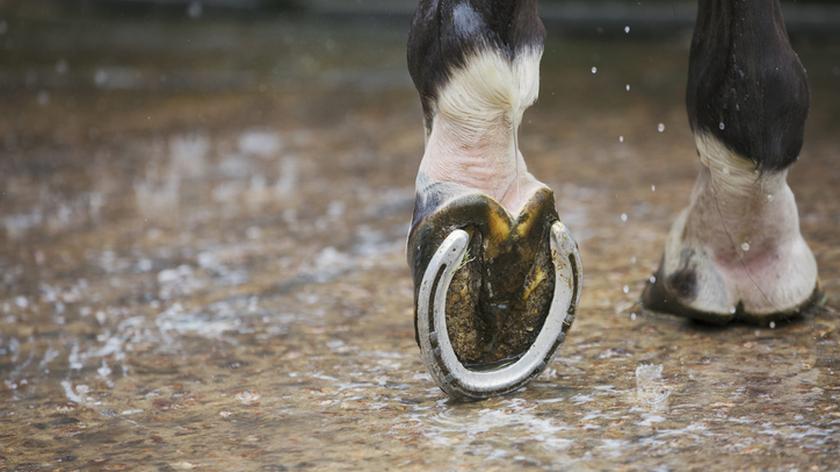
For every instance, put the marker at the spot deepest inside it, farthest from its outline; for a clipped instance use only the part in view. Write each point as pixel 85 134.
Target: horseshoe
pixel 452 376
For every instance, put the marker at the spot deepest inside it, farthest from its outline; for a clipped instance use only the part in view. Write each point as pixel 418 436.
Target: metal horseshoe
pixel 450 374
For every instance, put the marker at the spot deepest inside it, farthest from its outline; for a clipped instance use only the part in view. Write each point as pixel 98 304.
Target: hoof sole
pixel 464 382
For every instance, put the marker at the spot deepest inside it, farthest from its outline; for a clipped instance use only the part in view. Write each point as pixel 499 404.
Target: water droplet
pixel 625 289
pixel 247 397
pixel 653 188
pixel 660 127
pixel 621 139
pixel 769 197
pixel 721 126
pixel 733 310
pixel 633 316
pixel 43 98
pixel 626 30
pixel 594 70
pixel 627 87
pixel 623 217
pixel 195 10
pixel 101 77
pixel 745 246
pixel 104 370
pixel 772 325
pixel 652 279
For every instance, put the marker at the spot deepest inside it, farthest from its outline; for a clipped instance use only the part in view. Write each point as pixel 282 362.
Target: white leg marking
pixel 476 120
pixel 741 236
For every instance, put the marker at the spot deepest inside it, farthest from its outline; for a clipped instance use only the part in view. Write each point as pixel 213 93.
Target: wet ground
pixel 202 247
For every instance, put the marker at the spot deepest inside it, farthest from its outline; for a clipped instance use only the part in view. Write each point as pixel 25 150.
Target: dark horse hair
pixel 746 85
pixel 445 32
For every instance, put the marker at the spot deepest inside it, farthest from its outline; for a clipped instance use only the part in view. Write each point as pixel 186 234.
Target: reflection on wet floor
pixel 207 269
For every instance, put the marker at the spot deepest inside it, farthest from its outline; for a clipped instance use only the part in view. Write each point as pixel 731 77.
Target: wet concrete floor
pixel 202 247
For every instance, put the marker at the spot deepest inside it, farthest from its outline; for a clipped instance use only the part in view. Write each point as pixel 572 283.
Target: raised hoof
pixel 494 296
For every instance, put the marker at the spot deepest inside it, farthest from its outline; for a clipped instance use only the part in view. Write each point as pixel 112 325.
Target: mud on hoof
pixel 506 289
